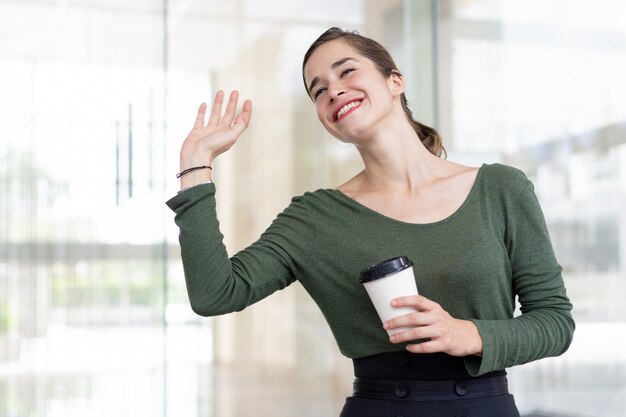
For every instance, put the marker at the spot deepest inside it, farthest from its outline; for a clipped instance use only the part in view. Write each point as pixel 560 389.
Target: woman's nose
pixel 335 93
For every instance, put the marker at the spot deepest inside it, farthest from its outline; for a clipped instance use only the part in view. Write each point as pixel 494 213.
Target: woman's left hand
pixel 444 333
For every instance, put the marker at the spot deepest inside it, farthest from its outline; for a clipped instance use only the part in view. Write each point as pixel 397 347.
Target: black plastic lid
pixel 385 268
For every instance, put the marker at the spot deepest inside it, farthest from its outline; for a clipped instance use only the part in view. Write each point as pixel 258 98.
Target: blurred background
pixel 96 97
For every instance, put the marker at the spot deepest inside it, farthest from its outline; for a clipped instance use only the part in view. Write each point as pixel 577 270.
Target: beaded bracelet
pixel 188 170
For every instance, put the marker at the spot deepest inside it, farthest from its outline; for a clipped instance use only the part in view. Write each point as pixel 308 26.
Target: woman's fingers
pixel 216 112
pixel 231 107
pixel 243 118
pixel 230 115
pixel 430 346
pixel 205 142
pixel 429 321
pixel 421 317
pixel 418 302
pixel 415 333
pixel 200 116
pixel 421 326
pixel 410 319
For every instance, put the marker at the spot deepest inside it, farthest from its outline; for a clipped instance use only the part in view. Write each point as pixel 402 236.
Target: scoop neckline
pixel 456 213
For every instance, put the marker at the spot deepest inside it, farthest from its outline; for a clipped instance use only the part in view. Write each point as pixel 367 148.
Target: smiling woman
pixel 477 236
pixel 374 54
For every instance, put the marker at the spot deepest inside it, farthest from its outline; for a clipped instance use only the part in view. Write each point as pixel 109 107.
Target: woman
pixel 476 235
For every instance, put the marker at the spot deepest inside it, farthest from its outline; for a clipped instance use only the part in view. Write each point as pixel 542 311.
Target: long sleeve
pixel 545 327
pixel 217 284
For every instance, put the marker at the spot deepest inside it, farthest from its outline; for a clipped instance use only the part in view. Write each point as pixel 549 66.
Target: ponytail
pixel 428 135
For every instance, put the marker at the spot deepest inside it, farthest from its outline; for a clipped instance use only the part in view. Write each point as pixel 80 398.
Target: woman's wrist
pixel 193 186
pixel 188 170
pixel 196 177
pixel 195 171
pixel 190 157
pixel 475 341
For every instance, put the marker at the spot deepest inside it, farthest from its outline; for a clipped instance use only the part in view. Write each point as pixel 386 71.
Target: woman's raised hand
pixel 445 333
pixel 206 141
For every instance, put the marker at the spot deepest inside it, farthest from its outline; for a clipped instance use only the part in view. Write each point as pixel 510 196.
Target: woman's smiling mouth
pixel 347 108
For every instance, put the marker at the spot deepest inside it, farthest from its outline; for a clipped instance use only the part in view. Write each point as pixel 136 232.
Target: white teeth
pixel 347 107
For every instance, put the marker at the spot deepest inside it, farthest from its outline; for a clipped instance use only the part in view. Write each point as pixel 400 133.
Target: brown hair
pixel 377 53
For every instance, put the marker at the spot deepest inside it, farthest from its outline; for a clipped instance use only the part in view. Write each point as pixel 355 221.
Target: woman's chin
pixel 351 136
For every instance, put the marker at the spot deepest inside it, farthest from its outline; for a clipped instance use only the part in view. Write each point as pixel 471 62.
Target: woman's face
pixel 351 96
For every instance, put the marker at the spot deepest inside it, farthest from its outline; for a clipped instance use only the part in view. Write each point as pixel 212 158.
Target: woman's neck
pixel 398 161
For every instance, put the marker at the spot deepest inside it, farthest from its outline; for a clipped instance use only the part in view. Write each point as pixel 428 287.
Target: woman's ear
pixel 396 83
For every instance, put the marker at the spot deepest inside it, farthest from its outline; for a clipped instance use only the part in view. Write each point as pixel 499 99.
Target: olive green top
pixel 473 263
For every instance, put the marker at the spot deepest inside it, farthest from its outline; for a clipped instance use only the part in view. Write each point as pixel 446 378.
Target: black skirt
pixel 405 384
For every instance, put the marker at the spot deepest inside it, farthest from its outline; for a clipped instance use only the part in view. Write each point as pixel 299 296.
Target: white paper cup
pixel 387 280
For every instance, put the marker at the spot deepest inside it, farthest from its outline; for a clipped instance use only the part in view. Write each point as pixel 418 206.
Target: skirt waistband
pixel 407 365
pixel 430 390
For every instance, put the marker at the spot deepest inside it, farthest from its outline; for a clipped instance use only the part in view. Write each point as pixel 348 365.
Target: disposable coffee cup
pixel 387 280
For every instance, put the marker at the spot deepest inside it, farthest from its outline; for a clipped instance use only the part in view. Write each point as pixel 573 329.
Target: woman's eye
pixel 346 71
pixel 318 92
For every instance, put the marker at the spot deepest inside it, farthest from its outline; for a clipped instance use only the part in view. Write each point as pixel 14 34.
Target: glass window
pixel 87 303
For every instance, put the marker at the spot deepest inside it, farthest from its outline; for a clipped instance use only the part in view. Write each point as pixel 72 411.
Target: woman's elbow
pixel 210 309
pixel 567 328
pixel 202 310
